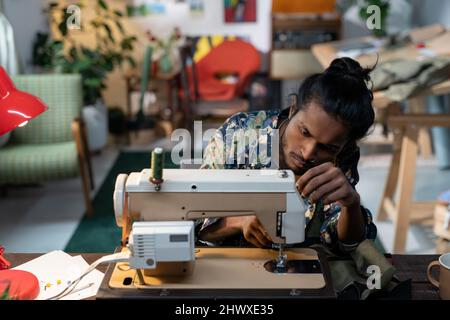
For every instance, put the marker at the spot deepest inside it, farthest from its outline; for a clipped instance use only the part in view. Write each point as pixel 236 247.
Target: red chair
pixel 205 92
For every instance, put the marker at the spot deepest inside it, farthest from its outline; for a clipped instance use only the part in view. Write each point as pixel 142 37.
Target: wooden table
pixel 412 267
pixel 410 131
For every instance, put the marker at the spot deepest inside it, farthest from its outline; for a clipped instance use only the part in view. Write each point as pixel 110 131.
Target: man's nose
pixel 309 151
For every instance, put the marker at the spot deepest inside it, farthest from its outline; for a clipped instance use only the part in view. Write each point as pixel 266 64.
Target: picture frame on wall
pixel 238 11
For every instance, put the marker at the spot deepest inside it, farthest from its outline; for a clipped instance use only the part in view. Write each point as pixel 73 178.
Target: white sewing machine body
pixel 188 194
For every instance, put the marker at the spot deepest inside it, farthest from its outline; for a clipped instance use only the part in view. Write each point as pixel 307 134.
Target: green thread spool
pixel 157 166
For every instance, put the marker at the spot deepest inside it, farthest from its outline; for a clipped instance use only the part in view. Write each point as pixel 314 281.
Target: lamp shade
pixel 16 107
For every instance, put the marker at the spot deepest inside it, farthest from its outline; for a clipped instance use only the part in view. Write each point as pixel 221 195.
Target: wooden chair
pixel 196 105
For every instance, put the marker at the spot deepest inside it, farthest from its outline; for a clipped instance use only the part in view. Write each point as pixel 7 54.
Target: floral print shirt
pixel 321 220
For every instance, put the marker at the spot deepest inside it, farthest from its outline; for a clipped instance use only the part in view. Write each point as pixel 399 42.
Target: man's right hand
pixel 254 232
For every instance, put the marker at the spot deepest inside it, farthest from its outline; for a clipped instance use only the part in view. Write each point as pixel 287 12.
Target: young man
pixel 317 142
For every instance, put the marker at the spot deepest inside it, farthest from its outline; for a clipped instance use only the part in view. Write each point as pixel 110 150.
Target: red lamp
pixel 16 107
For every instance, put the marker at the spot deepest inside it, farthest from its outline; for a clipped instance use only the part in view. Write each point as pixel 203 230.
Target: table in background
pixel 410 130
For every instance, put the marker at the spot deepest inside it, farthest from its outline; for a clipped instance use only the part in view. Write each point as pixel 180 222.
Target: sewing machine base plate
pixel 226 273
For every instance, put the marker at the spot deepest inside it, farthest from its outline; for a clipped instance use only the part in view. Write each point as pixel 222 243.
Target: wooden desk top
pixel 412 267
pixel 326 52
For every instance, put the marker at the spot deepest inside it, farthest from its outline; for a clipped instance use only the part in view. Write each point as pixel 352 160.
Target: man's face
pixel 312 137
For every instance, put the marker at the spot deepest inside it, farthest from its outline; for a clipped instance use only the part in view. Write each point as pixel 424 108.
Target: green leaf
pixel 131 61
pixel 63 28
pixel 118 13
pixel 73 53
pixel 95 24
pixel 109 32
pixel 120 27
pixel 93 82
pixel 82 65
pixel 102 4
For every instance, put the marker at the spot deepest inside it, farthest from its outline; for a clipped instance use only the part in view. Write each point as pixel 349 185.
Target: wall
pixel 211 22
pixel 431 11
pixel 27 19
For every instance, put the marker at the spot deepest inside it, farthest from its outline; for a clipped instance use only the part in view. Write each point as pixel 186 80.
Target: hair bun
pixel 348 67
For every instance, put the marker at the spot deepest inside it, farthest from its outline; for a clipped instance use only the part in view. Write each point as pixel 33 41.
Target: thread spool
pixel 157 164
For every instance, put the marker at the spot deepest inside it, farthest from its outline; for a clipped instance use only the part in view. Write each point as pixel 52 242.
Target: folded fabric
pixel 402 79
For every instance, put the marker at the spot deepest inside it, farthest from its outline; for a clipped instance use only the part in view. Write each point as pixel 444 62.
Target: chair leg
pixel 87 154
pixel 86 190
pixel 83 163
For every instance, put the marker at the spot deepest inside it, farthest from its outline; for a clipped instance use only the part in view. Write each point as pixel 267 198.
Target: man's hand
pixel 254 232
pixel 328 183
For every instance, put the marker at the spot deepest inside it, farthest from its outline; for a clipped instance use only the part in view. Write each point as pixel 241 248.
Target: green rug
pixel 100 233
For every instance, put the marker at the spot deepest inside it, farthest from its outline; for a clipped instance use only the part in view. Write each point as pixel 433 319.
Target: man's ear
pixel 292 105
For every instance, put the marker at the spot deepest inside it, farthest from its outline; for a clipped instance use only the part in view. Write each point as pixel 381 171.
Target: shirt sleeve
pixel 328 231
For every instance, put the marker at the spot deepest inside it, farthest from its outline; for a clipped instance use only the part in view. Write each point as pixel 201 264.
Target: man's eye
pixel 304 132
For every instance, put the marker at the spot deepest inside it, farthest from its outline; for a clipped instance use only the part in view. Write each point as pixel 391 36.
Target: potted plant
pixel 66 53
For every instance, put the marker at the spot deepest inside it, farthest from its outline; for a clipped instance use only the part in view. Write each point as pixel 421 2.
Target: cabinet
pixel 292 35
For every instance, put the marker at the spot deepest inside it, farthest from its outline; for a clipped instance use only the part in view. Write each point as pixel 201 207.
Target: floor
pixel 43 218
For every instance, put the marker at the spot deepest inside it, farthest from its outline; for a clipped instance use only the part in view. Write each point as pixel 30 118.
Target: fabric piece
pixel 402 79
pixel 350 273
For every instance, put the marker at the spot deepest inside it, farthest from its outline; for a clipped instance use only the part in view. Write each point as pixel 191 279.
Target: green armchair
pixel 52 146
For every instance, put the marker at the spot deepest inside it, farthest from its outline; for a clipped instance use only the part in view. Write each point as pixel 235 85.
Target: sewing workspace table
pixel 412 267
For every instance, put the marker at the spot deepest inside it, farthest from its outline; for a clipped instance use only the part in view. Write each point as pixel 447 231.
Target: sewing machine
pixel 157 210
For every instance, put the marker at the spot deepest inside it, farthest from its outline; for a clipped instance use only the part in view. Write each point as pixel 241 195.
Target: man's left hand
pixel 327 182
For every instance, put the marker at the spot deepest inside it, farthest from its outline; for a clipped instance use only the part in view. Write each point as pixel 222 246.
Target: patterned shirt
pixel 224 152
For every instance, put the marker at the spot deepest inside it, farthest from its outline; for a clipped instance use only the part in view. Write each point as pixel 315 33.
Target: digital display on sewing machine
pixel 178 238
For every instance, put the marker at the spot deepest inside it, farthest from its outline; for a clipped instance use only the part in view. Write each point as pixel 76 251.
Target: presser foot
pixel 282 265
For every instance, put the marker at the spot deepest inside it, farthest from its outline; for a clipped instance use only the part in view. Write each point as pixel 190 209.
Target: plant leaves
pixel 120 27
pixel 62 27
pixel 109 32
pixel 131 61
pixel 81 65
pixel 93 82
pixel 102 4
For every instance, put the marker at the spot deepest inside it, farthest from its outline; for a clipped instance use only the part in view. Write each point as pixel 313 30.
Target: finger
pixel 253 240
pixel 335 196
pixel 322 191
pixel 262 229
pixel 319 180
pixel 311 173
pixel 261 238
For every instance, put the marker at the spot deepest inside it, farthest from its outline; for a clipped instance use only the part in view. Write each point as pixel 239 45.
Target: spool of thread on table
pixel 157 163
